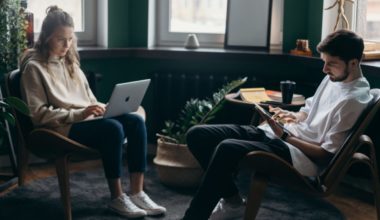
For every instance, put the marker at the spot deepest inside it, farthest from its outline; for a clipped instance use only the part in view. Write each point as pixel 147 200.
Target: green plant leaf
pixel 196 111
pixel 4 104
pixel 18 104
pixel 8 117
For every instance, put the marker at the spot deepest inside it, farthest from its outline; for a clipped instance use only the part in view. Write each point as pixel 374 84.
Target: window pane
pixel 73 7
pixel 198 16
pixel 373 20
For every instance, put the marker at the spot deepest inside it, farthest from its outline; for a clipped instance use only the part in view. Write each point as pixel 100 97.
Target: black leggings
pixel 218 149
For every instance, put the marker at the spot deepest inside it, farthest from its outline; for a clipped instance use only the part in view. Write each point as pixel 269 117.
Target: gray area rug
pixel 40 199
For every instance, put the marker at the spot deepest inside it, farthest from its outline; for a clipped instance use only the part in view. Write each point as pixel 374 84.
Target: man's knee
pixel 194 134
pixel 229 148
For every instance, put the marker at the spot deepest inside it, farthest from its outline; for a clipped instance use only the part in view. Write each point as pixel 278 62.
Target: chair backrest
pixel 23 122
pixel 343 157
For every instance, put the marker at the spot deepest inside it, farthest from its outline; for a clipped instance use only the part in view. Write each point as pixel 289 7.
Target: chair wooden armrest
pixel 49 144
pixel 277 169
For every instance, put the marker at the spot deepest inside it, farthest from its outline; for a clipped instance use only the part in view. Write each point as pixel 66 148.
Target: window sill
pixel 371 55
pixel 171 52
pixel 203 53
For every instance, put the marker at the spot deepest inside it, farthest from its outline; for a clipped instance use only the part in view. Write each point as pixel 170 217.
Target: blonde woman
pixel 59 98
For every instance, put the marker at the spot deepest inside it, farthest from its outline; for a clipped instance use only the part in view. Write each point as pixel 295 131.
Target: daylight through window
pixel 198 16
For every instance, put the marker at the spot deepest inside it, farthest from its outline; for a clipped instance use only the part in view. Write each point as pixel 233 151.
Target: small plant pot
pixel 176 166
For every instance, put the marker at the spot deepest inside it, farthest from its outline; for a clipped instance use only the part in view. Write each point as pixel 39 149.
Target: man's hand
pixel 278 131
pixel 273 124
pixel 284 116
pixel 93 110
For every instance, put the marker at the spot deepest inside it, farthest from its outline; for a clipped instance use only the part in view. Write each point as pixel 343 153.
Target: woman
pixel 59 98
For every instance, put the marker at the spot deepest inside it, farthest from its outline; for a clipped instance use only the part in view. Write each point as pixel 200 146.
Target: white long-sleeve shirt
pixel 331 113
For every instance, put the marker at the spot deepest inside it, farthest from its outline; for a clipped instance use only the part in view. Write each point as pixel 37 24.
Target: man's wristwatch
pixel 284 135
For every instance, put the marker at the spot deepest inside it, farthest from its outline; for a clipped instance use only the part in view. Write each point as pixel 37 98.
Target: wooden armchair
pixel 269 167
pixel 46 144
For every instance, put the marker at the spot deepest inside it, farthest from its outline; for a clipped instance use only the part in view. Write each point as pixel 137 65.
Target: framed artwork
pixel 248 24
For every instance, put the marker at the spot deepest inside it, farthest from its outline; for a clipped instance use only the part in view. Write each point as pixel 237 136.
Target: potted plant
pixel 12 43
pixel 12 34
pixel 175 164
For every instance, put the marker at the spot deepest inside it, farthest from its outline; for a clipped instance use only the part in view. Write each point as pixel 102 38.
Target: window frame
pixel 353 12
pixel 88 37
pixel 359 12
pixel 165 38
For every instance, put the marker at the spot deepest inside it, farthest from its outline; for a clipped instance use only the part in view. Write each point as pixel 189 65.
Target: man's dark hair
pixel 344 44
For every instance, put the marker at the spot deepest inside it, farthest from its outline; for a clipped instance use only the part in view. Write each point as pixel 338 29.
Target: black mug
pixel 287 90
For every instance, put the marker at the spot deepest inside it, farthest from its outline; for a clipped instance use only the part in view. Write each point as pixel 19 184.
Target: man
pixel 315 132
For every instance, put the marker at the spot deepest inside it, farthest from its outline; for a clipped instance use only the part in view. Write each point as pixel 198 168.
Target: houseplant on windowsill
pixel 12 34
pixel 12 43
pixel 175 164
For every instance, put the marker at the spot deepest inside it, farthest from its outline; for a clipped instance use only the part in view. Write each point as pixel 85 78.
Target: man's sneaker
pixel 124 206
pixel 143 201
pixel 224 211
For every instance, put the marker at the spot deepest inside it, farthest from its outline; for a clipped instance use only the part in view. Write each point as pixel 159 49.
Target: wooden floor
pixel 354 204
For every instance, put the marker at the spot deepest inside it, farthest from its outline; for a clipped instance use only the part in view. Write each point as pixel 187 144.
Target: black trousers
pixel 218 149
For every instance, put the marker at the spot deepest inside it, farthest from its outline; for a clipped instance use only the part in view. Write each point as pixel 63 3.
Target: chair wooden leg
pixel 22 164
pixel 376 192
pixel 372 164
pixel 375 185
pixel 259 183
pixel 62 168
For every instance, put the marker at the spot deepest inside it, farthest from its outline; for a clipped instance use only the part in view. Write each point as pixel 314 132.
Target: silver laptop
pixel 125 98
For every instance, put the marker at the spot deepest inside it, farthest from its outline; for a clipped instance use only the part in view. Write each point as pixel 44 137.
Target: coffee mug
pixel 287 90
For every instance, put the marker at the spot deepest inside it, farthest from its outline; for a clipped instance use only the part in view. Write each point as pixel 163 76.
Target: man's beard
pixel 341 78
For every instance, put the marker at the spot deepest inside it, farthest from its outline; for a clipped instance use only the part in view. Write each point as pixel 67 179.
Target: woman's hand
pixel 93 110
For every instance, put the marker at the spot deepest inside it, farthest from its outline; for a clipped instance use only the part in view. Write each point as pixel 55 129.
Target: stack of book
pixel 261 95
pixel 371 51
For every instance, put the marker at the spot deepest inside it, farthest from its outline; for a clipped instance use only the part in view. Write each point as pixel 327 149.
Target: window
pixel 82 11
pixel 364 17
pixel 368 22
pixel 207 18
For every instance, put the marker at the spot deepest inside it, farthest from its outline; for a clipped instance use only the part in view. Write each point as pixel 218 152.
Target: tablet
pixel 269 115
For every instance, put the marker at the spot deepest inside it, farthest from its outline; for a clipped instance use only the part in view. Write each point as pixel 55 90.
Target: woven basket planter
pixel 176 166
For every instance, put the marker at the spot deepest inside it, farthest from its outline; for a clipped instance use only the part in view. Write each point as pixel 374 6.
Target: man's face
pixel 336 68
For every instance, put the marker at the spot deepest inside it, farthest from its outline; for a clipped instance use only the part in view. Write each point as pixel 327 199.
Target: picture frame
pixel 248 24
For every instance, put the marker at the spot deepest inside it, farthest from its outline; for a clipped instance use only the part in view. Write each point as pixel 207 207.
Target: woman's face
pixel 61 40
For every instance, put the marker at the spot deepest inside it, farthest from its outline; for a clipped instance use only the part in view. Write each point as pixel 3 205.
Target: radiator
pixel 171 91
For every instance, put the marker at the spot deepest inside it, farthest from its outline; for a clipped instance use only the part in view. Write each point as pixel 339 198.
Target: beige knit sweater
pixel 54 98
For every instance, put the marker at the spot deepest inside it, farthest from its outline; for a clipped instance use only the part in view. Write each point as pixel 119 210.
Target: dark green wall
pixel 128 22
pixel 302 20
pixel 315 23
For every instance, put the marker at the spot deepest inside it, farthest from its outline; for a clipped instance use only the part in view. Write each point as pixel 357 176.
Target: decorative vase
pixel 191 42
pixel 176 166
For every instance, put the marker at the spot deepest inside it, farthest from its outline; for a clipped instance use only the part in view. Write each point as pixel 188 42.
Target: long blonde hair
pixel 54 19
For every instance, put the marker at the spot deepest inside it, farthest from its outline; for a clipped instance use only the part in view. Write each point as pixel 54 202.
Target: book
pixel 254 95
pixel 371 55
pixel 260 94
